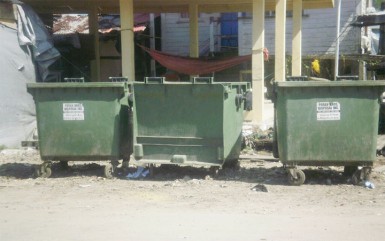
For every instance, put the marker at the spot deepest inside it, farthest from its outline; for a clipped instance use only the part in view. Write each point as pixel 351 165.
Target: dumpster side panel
pixel 327 124
pixel 178 122
pixel 233 121
pixel 79 123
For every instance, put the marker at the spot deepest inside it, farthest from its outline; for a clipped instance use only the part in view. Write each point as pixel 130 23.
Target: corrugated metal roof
pixel 78 23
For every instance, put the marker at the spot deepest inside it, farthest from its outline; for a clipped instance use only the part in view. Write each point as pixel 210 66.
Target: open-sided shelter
pixel 127 8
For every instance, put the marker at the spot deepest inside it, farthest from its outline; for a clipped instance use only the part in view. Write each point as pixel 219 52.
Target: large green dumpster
pixel 327 123
pixel 197 123
pixel 81 121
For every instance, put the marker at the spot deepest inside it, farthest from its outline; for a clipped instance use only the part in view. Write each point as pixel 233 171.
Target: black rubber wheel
pixel 125 164
pixel 48 172
pixel 356 177
pixel 108 171
pixel 360 176
pixel 37 172
pixel 45 170
pixel 298 179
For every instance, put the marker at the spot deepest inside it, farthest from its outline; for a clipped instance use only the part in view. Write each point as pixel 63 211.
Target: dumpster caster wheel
pixel 37 172
pixel 361 175
pixel 108 171
pixel 125 164
pixel 114 163
pixel 44 170
pixel 356 177
pixel 296 177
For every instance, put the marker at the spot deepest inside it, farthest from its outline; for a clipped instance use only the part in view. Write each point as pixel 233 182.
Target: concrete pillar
pixel 127 39
pixel 258 73
pixel 280 40
pixel 296 67
pixel 194 31
pixel 194 35
pixel 94 30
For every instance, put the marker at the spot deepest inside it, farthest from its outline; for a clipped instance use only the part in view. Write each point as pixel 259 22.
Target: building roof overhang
pixel 163 6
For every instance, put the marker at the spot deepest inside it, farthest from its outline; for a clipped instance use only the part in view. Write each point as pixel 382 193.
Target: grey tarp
pixel 33 33
pixel 26 54
pixel 17 110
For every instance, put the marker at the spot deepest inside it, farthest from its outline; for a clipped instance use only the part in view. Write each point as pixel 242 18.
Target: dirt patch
pixel 253 202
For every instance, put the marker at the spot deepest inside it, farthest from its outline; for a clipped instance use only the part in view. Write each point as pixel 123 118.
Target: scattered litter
pixel 140 172
pixel 369 185
pixel 259 188
pixel 84 185
pixel 257 138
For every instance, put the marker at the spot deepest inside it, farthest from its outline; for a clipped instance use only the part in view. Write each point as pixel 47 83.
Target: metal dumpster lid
pixel 345 83
pixel 191 83
pixel 63 85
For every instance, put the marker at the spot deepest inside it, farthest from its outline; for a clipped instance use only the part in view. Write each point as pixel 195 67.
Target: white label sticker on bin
pixel 328 111
pixel 73 111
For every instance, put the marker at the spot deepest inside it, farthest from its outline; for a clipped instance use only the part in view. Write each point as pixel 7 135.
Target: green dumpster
pixel 192 123
pixel 327 123
pixel 82 122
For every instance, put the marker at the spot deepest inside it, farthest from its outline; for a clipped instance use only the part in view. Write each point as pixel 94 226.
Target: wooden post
pixel 127 39
pixel 194 34
pixel 94 29
pixel 296 67
pixel 280 40
pixel 152 42
pixel 258 73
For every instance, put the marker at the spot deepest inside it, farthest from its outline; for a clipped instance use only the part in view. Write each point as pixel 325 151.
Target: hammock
pixel 196 66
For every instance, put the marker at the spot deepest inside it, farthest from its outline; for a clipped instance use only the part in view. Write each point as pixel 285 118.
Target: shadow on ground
pixel 24 171
pixel 251 174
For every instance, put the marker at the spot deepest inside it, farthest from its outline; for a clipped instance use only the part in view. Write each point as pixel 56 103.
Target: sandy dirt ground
pixel 185 203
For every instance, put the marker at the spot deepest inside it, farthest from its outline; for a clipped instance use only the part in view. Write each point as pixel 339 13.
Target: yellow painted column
pixel 94 30
pixel 296 67
pixel 127 38
pixel 280 45
pixel 258 73
pixel 194 35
